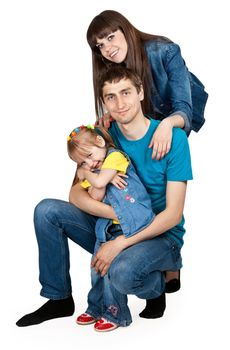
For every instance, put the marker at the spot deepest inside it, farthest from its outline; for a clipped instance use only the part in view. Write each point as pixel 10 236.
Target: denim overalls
pixel 132 205
pixel 134 211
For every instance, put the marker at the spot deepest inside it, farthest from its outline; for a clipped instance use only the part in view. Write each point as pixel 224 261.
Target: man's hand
pixel 106 254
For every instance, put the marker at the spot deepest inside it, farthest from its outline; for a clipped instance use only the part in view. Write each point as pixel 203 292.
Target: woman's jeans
pixel 137 270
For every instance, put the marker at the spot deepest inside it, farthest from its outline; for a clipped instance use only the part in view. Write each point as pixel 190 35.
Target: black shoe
pixel 173 285
pixel 154 307
pixel 51 309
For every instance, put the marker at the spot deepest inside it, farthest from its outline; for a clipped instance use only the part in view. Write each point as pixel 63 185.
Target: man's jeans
pixel 137 270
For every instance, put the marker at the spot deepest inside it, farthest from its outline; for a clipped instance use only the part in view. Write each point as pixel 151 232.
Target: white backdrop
pixel 45 91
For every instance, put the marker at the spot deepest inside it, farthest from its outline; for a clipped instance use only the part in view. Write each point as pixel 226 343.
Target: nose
pixel 120 102
pixel 89 162
pixel 107 46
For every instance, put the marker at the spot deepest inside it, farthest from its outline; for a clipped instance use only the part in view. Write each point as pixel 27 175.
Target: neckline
pixel 149 130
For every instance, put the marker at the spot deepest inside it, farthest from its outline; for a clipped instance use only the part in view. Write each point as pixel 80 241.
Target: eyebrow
pixel 104 37
pixel 120 92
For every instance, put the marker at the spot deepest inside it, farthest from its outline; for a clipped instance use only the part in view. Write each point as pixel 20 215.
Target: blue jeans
pixel 55 221
pixel 137 270
pixel 103 299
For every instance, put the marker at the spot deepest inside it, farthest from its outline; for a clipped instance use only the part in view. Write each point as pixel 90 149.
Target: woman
pixel 172 93
pixel 170 89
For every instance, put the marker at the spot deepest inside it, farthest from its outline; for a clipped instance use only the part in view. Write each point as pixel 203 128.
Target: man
pixel 135 265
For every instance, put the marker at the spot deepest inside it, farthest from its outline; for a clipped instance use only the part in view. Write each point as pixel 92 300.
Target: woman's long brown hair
pixel 106 23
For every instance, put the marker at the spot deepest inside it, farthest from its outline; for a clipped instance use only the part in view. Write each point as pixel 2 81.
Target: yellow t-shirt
pixel 116 161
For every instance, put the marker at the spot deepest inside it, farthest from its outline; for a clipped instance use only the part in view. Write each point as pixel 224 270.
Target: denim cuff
pixel 121 323
pixel 187 124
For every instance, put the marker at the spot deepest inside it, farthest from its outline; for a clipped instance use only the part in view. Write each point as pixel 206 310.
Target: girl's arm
pixel 97 180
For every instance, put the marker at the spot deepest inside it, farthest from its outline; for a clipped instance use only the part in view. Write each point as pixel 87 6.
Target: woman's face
pixel 113 47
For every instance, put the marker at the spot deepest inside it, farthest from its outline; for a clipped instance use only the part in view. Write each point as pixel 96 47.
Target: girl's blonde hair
pixel 82 138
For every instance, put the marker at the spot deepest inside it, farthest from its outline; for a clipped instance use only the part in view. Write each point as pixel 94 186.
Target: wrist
pixel 168 122
pixel 123 242
pixel 176 120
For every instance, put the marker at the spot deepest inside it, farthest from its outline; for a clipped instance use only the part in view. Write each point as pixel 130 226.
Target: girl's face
pixel 113 47
pixel 94 159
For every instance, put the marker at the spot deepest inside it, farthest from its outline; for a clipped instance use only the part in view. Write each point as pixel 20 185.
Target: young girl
pixel 172 93
pixel 99 164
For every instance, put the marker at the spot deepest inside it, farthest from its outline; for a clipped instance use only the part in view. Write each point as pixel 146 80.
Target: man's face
pixel 122 100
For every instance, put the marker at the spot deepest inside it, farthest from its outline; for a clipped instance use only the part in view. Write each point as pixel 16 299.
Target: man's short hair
pixel 115 74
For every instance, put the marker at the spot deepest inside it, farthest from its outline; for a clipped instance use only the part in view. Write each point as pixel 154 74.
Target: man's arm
pixel 168 218
pixel 81 199
pixel 97 193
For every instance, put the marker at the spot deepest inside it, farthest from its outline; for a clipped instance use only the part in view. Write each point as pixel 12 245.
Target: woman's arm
pixel 162 137
pixel 178 94
pixel 179 88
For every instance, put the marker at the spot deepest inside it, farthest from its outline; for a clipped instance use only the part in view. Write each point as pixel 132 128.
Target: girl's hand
pixel 81 173
pixel 119 182
pixel 105 121
pixel 162 139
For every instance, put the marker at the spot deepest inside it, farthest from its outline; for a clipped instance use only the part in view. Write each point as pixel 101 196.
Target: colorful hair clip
pixel 78 129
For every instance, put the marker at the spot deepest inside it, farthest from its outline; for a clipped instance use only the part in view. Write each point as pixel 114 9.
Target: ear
pixel 141 94
pixel 100 142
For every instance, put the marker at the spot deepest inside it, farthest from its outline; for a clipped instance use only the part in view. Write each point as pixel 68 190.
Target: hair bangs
pixel 99 28
pixel 79 151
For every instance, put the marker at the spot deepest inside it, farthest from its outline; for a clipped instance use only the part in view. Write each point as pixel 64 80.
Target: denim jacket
pixel 132 205
pixel 175 90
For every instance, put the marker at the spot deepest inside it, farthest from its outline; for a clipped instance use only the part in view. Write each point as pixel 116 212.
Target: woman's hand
pixel 162 139
pixel 119 182
pixel 106 254
pixel 105 121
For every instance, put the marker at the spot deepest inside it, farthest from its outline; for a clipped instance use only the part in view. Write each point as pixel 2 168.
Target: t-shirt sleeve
pixel 179 166
pixel 116 161
pixel 85 184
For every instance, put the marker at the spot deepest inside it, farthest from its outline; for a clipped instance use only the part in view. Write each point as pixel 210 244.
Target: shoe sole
pixel 85 323
pixel 106 330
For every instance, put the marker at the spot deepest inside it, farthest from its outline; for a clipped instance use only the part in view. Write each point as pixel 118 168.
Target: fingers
pixel 100 266
pixel 160 150
pixel 105 121
pixel 119 182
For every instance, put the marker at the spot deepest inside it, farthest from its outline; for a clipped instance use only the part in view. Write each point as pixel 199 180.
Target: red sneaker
pixel 85 319
pixel 103 325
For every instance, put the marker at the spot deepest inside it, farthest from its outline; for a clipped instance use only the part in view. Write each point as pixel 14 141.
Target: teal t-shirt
pixel 175 166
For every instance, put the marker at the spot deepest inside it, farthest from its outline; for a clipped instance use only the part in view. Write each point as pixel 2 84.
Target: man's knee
pixel 47 209
pixel 122 276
